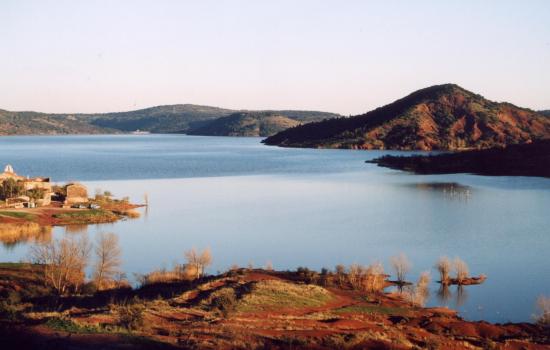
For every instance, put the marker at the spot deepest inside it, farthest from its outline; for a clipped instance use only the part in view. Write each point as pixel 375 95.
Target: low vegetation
pixel 515 160
pixel 85 217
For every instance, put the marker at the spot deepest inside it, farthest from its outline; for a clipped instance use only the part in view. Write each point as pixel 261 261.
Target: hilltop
pixel 181 118
pixel 441 117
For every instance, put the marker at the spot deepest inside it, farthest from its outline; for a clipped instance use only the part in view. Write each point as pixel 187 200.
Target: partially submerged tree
pixel 107 266
pixel 64 262
pixel 461 270
pixel 198 261
pixel 444 267
pixel 402 266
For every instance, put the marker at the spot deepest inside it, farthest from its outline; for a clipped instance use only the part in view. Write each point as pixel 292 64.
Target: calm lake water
pixel 299 207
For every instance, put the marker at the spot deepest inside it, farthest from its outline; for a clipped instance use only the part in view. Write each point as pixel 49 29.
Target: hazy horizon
pixel 342 57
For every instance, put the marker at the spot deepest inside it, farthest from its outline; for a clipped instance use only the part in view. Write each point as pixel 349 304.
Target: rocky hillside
pixel 183 118
pixel 444 117
pixel 246 124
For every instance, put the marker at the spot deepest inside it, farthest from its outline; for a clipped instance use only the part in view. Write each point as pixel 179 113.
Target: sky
pixel 341 56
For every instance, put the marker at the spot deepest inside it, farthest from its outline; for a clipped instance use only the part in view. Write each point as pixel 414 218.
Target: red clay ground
pixel 263 309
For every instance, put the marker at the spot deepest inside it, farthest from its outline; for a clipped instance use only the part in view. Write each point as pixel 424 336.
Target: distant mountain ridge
pixel 545 112
pixel 183 118
pixel 444 117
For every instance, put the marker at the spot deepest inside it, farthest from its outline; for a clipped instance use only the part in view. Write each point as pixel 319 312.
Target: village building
pixel 76 194
pixel 39 185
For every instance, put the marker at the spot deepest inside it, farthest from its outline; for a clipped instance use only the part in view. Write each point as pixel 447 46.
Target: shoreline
pixel 257 307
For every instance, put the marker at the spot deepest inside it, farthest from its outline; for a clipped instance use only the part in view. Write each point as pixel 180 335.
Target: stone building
pixel 76 194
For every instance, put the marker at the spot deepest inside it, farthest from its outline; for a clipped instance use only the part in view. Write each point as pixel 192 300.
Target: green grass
pixel 87 215
pixel 374 309
pixel 270 295
pixel 66 325
pixel 18 215
pixel 13 265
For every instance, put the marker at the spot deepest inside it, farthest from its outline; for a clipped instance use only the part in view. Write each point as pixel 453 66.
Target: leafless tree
pixel 444 267
pixel 340 274
pixel 107 266
pixel 543 305
pixel 419 293
pixel 199 261
pixel 461 270
pixel 375 277
pixel 402 266
pixel 64 262
pixel 355 275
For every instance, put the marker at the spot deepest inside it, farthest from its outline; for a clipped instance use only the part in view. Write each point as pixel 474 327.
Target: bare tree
pixel 375 277
pixel 107 266
pixel 461 270
pixel 402 266
pixel 444 267
pixel 543 305
pixel 419 293
pixel 340 274
pixel 64 262
pixel 198 261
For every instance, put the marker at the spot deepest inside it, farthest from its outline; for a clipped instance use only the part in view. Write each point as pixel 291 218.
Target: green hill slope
pixel 183 118
pixel 33 123
pixel 247 124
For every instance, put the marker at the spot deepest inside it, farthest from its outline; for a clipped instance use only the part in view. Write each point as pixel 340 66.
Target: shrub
pixel 130 316
pixel 10 306
pixel 224 301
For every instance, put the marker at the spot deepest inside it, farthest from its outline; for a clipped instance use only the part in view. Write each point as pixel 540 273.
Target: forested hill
pixel 182 118
pixel 247 124
pixel 444 117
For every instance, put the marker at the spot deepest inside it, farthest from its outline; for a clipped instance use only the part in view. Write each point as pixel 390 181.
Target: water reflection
pixel 449 190
pixel 77 228
pixel 444 294
pixel 12 235
pixel 461 296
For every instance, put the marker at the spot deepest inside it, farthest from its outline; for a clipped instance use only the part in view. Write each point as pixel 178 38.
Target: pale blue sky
pixel 340 56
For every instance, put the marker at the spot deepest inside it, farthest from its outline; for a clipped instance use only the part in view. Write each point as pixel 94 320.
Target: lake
pixel 252 204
